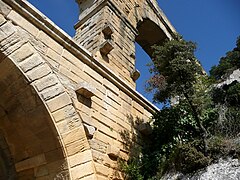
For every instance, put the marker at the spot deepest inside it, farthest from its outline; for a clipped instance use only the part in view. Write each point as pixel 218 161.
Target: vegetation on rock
pixel 199 121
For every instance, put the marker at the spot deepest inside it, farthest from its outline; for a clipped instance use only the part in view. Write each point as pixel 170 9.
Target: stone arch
pixel 32 140
pixel 7 168
pixel 152 25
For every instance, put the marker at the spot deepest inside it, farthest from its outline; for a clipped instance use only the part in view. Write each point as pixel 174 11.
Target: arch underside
pixel 149 34
pixel 29 144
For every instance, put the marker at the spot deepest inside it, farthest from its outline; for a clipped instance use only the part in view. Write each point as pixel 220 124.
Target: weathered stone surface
pixel 80 158
pixel 59 102
pixel 85 89
pixel 25 51
pixel 235 76
pixel 18 19
pixel 82 170
pixel 50 42
pixel 46 82
pixel 40 66
pixel 113 151
pixel 31 163
pixel 39 72
pixel 90 130
pixel 2 19
pixel 31 62
pixel 106 47
pixel 4 8
pixel 228 169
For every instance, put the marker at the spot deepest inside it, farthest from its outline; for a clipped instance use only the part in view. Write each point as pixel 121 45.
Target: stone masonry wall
pixel 109 30
pixel 89 105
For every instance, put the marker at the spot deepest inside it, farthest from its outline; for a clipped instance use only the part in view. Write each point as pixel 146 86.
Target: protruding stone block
pixel 90 130
pixel 106 47
pixel 113 151
pixel 135 74
pixel 107 30
pixel 85 89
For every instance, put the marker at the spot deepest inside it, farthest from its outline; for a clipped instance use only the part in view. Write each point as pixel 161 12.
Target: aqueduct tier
pixel 68 107
pixel 110 28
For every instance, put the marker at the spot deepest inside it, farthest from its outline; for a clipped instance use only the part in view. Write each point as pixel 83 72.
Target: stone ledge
pixel 38 19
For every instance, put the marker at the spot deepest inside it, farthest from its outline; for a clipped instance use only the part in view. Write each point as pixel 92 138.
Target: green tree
pixel 227 64
pixel 227 97
pixel 187 134
pixel 175 72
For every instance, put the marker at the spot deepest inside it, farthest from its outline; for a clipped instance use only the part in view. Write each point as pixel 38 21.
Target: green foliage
pixel 132 169
pixel 187 158
pixel 228 94
pixel 227 64
pixel 223 147
pixel 174 68
pixel 179 140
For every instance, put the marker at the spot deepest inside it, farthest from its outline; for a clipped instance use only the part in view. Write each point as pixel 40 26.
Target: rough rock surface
pixel 222 170
pixel 235 76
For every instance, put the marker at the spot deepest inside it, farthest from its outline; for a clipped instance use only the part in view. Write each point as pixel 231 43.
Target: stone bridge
pixel 68 104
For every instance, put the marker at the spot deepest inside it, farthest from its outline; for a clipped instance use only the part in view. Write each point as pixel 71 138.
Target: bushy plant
pixel 202 125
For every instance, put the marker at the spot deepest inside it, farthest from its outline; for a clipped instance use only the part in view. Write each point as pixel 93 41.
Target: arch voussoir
pixel 66 125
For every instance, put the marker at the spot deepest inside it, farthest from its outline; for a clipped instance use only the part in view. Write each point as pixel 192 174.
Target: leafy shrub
pixel 187 158
pixel 223 147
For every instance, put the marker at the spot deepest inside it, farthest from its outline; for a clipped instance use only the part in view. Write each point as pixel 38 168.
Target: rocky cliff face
pixel 222 170
pixel 235 76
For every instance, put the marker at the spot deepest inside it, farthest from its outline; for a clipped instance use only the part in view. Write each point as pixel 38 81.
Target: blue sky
pixel 213 24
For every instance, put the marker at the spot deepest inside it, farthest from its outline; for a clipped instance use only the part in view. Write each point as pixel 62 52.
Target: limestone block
pixel 31 62
pixel 98 147
pixel 138 107
pixel 2 19
pixel 106 47
pixel 31 163
pixel 73 135
pixel 18 19
pixel 39 72
pixel 82 170
pixel 74 122
pixel 103 137
pixel 77 147
pixel 80 158
pixel 40 171
pixel 46 82
pixel 99 177
pixel 69 74
pixel 102 170
pixel 53 54
pixel 63 127
pixel 113 151
pixel 2 36
pixel 107 30
pixel 91 177
pixel 52 92
pixel 93 74
pixel 135 74
pixel 58 102
pixel 8 28
pixel 73 59
pixel 4 8
pixel 63 113
pixel 50 42
pixel 22 53
pixel 90 130
pixel 85 89
pixel 111 86
pixel 110 162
